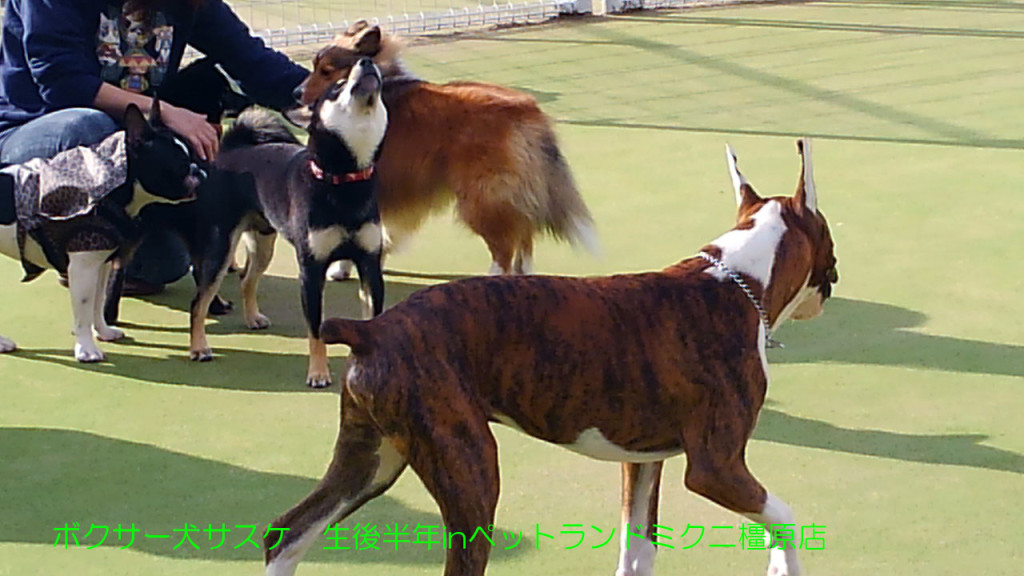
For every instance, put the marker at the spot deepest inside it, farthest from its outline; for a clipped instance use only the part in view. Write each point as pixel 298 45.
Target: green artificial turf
pixel 893 420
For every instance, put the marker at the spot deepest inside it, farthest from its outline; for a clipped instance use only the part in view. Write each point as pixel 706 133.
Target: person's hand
pixel 200 134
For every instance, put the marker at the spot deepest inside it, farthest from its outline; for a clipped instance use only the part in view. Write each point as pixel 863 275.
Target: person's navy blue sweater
pixel 48 57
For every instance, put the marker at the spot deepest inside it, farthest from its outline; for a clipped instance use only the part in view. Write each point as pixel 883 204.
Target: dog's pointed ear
pixel 357 27
pixel 806 192
pixel 300 116
pixel 155 117
pixel 135 124
pixel 368 41
pixel 745 193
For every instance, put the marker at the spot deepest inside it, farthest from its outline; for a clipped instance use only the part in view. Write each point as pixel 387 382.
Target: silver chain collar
pixel 769 341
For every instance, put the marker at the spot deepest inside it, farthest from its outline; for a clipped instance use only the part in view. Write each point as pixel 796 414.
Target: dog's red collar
pixel 357 176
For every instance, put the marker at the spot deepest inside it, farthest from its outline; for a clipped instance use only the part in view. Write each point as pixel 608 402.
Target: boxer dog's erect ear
pixel 745 193
pixel 806 192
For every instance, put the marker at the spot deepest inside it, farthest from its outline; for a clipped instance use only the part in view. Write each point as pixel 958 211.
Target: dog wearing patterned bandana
pixel 76 212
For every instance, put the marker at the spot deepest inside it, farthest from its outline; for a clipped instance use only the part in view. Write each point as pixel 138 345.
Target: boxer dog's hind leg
pixel 365 465
pixel 640 486
pixel 456 457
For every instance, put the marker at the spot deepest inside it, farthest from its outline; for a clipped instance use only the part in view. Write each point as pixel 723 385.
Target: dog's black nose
pixel 365 62
pixel 297 93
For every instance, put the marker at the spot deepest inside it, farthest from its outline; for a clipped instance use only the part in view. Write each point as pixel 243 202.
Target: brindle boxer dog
pixel 633 368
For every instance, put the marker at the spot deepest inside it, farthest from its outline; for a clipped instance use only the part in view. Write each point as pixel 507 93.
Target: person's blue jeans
pixel 162 258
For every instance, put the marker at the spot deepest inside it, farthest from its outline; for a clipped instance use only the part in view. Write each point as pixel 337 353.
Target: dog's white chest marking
pixel 324 241
pixel 752 251
pixel 142 198
pixel 369 237
pixel 360 127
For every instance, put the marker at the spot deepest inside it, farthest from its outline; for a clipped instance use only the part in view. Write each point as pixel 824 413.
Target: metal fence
pixel 294 23
pixel 311 31
pixel 290 23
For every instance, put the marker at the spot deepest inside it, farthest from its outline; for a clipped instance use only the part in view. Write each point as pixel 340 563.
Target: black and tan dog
pixel 488 148
pixel 93 231
pixel 633 368
pixel 320 196
pixel 205 225
pixel 205 88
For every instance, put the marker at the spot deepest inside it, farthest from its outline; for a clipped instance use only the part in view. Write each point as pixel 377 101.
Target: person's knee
pixel 55 132
pixel 84 127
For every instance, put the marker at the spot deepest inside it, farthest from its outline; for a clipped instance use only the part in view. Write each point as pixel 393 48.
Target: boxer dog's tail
pixel 353 333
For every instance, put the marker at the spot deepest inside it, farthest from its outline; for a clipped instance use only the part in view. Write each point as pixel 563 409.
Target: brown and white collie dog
pixel 489 147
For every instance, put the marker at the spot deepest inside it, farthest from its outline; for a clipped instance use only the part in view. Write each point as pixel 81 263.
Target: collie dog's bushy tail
pixel 254 126
pixel 561 212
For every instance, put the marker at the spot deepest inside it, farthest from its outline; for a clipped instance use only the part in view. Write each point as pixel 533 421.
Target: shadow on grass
pixel 951 449
pixel 975 142
pixel 438 276
pixel 899 29
pixel 541 96
pixel 51 477
pixel 973 5
pixel 232 369
pixel 850 332
pixel 937 131
pixel 862 332
pixel 279 299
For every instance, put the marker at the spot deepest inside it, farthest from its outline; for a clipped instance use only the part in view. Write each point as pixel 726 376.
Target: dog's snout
pixel 365 62
pixel 297 92
pixel 196 176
